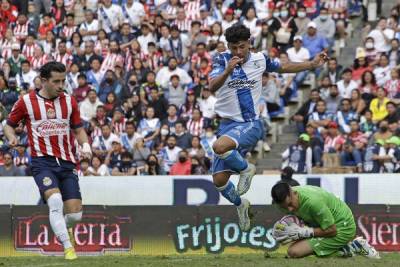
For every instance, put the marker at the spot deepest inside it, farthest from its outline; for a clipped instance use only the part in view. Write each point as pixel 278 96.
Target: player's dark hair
pixel 236 33
pixel 48 68
pixel 279 192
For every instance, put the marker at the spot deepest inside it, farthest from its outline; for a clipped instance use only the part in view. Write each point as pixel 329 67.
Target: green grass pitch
pixel 245 260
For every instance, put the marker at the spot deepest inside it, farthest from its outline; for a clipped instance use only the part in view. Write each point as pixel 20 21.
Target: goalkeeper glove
pixel 296 232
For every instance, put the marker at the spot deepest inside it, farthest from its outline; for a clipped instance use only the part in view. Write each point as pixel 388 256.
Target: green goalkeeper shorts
pixel 326 246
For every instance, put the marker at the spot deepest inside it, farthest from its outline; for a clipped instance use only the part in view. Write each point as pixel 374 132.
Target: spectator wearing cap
pixel 114 154
pixel 165 73
pixel 8 92
pixel 26 76
pixel 302 20
pixel 333 145
pixel 298 53
pixel 110 17
pixel 176 92
pixel 299 156
pixel 320 118
pixel 229 19
pixel 9 169
pixel 89 106
pixel 15 59
pixel 207 105
pixel 394 153
pixel 313 41
pixel 360 65
pixel 89 28
pixel 382 70
pixel 378 105
pixel 346 84
pixel 284 29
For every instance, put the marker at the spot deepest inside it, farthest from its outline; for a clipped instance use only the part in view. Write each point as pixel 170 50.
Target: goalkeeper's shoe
pixel 245 179
pixel 70 254
pixel 71 236
pixel 362 247
pixel 244 215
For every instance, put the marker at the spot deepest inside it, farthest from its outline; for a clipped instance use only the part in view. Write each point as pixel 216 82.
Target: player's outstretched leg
pixel 361 246
pixel 58 225
pixel 228 191
pixel 225 149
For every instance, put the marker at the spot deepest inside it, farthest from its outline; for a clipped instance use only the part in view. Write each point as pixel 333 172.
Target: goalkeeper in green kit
pixel 330 227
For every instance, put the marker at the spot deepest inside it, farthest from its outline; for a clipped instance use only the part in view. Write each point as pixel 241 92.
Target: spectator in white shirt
pixel 382 36
pixel 146 37
pixel 133 12
pixel 88 107
pixel 26 76
pixel 165 73
pixel 207 106
pixel 103 144
pixel 382 72
pixel 89 28
pixel 346 85
pixel 110 18
pixel 299 54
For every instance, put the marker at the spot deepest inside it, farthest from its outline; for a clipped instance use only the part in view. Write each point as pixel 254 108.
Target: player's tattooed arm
pixel 292 67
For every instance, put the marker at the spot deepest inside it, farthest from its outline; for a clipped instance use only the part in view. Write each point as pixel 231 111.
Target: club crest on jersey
pixel 51 113
pixel 47 181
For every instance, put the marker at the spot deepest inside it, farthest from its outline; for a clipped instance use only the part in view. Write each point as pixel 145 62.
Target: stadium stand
pixel 139 71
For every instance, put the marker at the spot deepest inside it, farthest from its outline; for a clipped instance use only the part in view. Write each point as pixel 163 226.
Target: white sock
pixel 57 221
pixel 72 218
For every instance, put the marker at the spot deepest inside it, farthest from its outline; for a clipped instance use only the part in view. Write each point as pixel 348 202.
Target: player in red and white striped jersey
pixel 53 121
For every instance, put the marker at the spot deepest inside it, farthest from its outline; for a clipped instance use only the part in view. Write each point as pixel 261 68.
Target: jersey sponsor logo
pixel 47 181
pixel 242 84
pixel 52 128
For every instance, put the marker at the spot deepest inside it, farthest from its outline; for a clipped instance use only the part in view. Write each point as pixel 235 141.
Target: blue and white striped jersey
pixel 239 96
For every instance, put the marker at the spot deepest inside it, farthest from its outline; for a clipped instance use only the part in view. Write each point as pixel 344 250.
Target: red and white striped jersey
pixel 29 51
pixel 49 124
pixel 130 57
pixel 195 127
pixel 65 59
pixel 21 31
pixel 119 126
pixel 110 61
pixel 5 46
pixel 37 63
pixel 192 10
pixel 183 25
pixel 68 31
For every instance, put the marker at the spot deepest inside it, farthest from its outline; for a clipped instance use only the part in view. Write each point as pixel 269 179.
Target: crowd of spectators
pixel 139 71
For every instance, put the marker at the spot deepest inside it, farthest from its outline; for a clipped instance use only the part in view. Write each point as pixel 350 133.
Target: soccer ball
pixel 280 227
pixel 290 219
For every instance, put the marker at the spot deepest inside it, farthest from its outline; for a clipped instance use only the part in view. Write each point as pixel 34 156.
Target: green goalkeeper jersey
pixel 319 208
